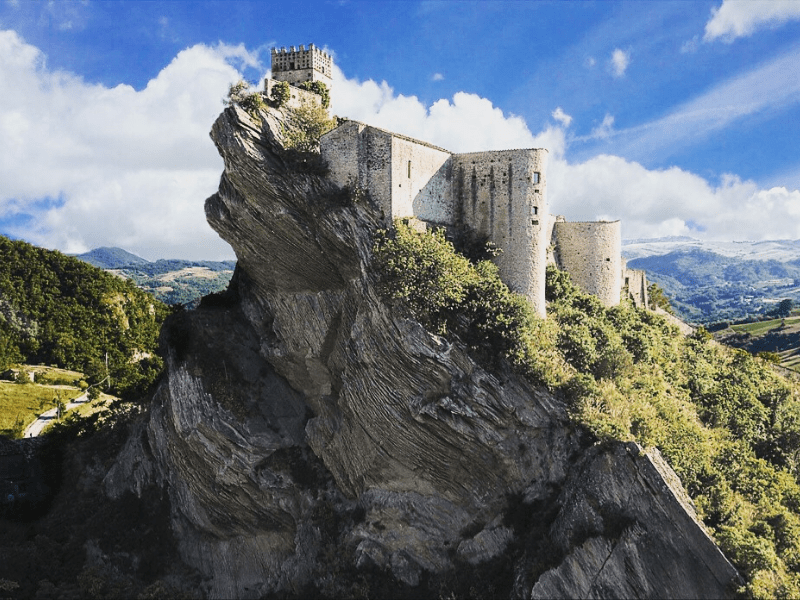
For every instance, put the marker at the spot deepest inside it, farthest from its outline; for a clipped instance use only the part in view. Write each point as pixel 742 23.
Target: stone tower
pixel 298 65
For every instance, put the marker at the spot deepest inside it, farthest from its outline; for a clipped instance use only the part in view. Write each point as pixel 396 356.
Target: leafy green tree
pixel 320 89
pixel 657 298
pixel 307 124
pixel 280 94
pixel 784 308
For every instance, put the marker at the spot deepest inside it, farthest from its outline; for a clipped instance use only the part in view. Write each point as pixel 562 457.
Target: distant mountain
pixel 780 250
pixel 110 258
pixel 172 281
pixel 706 286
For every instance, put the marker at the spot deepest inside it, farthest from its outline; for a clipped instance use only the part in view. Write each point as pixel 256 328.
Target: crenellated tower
pixel 298 65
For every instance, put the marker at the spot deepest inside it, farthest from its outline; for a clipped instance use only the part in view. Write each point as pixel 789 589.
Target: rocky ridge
pixel 313 440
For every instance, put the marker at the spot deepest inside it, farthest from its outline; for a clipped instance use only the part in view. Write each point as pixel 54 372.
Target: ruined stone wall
pixel 502 195
pixel 297 96
pixel 635 286
pixel 420 181
pixel 358 155
pixel 591 254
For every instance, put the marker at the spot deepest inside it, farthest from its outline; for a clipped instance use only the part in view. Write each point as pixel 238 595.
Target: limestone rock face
pixel 312 441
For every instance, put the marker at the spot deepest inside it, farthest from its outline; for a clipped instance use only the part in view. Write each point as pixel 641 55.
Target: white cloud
pixel 129 168
pixel 605 129
pixel 656 203
pixel 437 77
pixel 737 18
pixel 559 115
pixel 466 123
pixel 619 62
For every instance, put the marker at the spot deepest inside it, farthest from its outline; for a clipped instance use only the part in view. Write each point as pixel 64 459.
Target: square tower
pixel 298 65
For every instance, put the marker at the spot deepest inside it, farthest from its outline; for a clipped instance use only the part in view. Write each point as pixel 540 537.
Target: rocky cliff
pixel 312 440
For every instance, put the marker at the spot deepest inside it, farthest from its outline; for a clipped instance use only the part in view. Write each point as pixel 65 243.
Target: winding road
pixel 47 417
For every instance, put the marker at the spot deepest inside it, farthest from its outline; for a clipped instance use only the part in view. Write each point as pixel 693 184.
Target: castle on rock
pixel 497 195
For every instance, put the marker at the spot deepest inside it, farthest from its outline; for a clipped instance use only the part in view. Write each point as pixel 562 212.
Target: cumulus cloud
pixel 128 168
pixel 96 166
pixel 465 123
pixel 559 115
pixel 736 18
pixel 619 62
pixel 656 203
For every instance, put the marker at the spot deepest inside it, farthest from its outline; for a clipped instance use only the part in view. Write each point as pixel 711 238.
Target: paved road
pixel 47 417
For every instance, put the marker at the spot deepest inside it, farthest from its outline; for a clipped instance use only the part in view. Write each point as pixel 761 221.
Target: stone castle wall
pixel 421 182
pixel 358 155
pixel 592 254
pixel 501 195
pixel 635 284
pixel 297 97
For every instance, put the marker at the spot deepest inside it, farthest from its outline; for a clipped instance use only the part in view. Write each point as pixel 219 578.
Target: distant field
pixel 781 336
pixel 22 403
pixel 762 327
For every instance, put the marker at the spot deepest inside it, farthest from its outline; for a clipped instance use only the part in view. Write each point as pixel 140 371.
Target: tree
pixel 320 89
pixel 658 299
pixel 784 308
pixel 307 124
pixel 280 94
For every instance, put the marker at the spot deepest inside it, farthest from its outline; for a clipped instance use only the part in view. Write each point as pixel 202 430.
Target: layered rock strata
pixel 311 439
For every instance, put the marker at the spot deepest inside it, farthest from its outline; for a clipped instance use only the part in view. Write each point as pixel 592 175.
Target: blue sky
pixel 680 118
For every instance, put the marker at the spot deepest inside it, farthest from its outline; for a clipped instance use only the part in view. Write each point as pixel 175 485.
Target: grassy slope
pixel 21 404
pixel 781 336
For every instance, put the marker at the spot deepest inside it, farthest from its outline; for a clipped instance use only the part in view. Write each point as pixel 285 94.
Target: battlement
pixel 297 65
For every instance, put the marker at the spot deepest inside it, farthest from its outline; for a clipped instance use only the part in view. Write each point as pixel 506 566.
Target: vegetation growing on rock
pixel 251 101
pixel 308 122
pixel 725 421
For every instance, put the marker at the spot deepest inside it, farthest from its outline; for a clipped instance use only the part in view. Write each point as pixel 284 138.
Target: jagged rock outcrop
pixel 311 438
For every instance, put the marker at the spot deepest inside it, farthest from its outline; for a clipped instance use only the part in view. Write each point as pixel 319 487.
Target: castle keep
pixel 300 65
pixel 498 195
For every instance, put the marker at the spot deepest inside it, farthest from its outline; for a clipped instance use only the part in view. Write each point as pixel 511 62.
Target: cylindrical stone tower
pixel 592 255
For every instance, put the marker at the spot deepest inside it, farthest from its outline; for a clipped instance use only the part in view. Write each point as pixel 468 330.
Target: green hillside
pixel 780 337
pixel 727 423
pixel 58 310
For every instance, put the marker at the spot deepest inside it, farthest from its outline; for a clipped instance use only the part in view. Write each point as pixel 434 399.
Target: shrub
pixel 280 94
pixel 450 295
pixel 251 101
pixel 307 124
pixel 320 89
